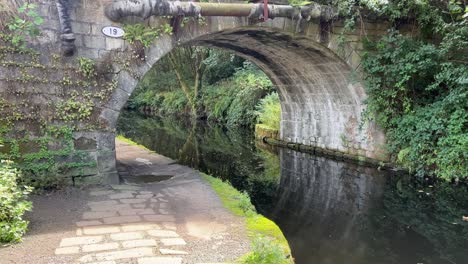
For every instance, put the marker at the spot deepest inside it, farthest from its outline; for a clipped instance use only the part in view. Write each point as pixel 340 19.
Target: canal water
pixel 331 212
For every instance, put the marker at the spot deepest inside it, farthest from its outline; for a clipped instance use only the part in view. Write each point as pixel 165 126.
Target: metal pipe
pixel 146 8
pixel 67 37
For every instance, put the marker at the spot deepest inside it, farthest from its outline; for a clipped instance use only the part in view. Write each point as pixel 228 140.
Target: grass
pixel 265 235
pixel 131 142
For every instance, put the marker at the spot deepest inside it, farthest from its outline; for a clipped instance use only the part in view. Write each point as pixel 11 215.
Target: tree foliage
pixel 204 83
pixel 417 85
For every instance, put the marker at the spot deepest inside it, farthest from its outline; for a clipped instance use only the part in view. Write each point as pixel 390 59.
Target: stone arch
pixel 322 101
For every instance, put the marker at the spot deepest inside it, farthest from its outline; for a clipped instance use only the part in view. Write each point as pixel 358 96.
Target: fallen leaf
pixel 465 218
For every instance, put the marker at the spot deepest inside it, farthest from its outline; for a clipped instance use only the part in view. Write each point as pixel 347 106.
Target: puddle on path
pixel 147 178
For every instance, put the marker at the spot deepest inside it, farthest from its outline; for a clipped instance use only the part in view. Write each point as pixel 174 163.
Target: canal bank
pixel 330 211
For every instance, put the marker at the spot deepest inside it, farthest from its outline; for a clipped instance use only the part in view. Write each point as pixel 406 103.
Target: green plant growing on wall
pixel 139 34
pixel 24 25
pixel 77 107
pixel 87 67
pixel 13 204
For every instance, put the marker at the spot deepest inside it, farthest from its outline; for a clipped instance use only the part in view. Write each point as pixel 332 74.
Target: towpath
pixel 175 221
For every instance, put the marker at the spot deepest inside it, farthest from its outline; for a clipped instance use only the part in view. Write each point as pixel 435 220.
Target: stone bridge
pixel 316 74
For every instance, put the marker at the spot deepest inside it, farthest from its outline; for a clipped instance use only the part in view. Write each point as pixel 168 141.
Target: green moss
pixel 131 142
pixel 257 224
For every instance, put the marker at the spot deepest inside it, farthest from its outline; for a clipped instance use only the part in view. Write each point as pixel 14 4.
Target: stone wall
pixel 317 78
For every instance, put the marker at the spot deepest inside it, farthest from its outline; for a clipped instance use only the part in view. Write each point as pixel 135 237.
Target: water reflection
pixel 330 211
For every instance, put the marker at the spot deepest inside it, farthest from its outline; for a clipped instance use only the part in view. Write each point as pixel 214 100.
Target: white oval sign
pixel 113 32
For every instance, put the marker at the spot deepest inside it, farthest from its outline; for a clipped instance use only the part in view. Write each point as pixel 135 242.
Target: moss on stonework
pixel 258 226
pixel 131 142
pixel 263 131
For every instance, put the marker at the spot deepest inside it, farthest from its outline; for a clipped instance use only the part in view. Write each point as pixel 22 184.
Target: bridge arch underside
pixel 321 104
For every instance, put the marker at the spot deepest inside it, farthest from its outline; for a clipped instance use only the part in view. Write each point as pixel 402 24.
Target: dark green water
pixel 330 211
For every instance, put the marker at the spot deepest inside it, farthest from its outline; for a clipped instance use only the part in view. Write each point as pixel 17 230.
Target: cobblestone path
pixel 126 225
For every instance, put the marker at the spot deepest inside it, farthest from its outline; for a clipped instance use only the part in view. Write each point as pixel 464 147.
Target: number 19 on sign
pixel 113 32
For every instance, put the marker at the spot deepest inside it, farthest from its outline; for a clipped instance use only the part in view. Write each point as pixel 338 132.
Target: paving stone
pixel 115 207
pixel 87 258
pixel 125 254
pixel 159 218
pixel 101 193
pixel 132 201
pixel 104 262
pixel 127 236
pixel 102 203
pixel 145 192
pixel 136 211
pixel 88 223
pixel 147 211
pixel 100 247
pixel 122 219
pixel 159 195
pixel 154 200
pixel 163 200
pixel 166 251
pixel 98 215
pixel 99 230
pixel 160 260
pixel 79 232
pixel 74 241
pixel 122 195
pixel 139 227
pixel 139 205
pixel 170 225
pixel 144 196
pixel 173 241
pixel 139 243
pixel 67 250
pixel 162 233
pixel 125 187
pixel 163 211
pixel 163 205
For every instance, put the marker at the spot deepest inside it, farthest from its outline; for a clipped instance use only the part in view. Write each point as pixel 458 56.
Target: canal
pixel 330 211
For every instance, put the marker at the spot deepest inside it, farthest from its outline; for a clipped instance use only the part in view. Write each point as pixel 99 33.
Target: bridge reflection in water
pixel 322 207
pixel 337 212
pixel 330 211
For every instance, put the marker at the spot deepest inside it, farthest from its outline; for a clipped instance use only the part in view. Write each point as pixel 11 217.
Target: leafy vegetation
pixel 269 111
pixel 87 67
pixel 24 25
pixel 140 34
pixel 417 85
pixel 203 83
pixel 13 204
pixel 265 251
